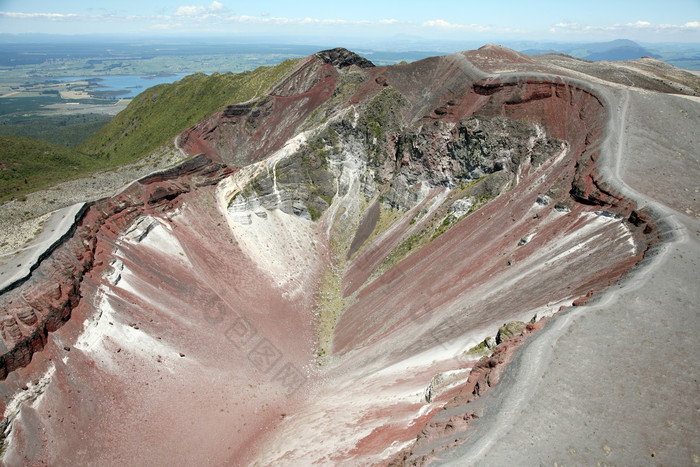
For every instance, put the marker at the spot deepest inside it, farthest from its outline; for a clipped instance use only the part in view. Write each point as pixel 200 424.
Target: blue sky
pixel 592 20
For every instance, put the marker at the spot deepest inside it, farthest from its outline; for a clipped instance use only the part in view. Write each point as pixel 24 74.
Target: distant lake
pixel 125 86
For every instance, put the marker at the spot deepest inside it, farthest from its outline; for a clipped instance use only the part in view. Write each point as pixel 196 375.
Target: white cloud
pixel 164 26
pixel 215 14
pixel 200 14
pixel 442 24
pixel 627 28
pixel 568 25
pixel 197 11
pixel 190 11
pixel 216 6
pixel 447 26
pixel 65 17
pixel 44 16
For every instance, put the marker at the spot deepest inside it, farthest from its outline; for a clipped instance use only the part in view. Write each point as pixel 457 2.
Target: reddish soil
pixel 245 133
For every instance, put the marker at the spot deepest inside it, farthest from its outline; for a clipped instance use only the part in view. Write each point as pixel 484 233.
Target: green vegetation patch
pixel 28 165
pixel 484 347
pixel 23 104
pixel 151 120
pixel 66 130
pixel 387 217
pixel 160 113
pixel 330 305
pixel 451 219
pixel 382 114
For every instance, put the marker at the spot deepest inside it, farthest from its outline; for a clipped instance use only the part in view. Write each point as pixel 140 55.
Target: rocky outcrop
pixel 462 153
pixel 341 58
pixel 404 168
pixel 509 330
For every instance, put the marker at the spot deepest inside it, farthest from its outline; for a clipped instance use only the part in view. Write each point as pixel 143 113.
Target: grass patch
pixel 387 218
pixel 451 220
pixel 28 165
pixel 439 222
pixel 413 241
pixel 314 212
pixel 329 307
pixel 483 347
pixel 22 104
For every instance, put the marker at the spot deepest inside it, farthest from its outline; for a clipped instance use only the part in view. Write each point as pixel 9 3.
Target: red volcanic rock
pixel 565 109
pixel 498 52
pixel 245 133
pixel 44 303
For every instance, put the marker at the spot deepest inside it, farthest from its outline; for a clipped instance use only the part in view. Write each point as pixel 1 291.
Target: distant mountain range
pixel 620 49
pixel 682 55
pixel 36 48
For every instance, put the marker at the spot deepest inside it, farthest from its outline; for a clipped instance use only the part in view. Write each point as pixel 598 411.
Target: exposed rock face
pixel 509 330
pixel 341 58
pixel 351 234
pixel 245 133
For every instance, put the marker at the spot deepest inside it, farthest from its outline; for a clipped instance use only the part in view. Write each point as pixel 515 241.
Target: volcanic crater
pixel 336 267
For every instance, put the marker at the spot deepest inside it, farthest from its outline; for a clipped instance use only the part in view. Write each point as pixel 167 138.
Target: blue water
pixel 128 85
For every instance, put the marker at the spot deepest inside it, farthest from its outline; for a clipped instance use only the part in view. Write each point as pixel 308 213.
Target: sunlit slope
pixel 160 113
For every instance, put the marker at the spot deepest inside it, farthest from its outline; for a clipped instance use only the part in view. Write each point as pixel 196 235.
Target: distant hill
pixel 617 50
pixel 160 113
